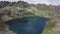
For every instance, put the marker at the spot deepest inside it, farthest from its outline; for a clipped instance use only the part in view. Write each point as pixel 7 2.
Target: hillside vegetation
pixel 12 10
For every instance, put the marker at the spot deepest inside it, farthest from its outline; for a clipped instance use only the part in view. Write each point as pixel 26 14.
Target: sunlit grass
pixel 49 27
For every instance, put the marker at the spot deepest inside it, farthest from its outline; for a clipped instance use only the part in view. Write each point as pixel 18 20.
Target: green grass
pixel 49 27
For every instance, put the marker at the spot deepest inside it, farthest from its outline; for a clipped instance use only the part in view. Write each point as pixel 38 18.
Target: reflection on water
pixel 27 25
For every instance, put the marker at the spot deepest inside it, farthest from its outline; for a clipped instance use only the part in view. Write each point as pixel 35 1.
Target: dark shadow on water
pixel 27 25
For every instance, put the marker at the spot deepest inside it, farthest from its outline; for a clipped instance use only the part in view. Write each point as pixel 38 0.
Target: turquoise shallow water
pixel 27 25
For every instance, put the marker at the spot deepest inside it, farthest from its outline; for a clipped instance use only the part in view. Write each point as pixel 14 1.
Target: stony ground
pixel 9 32
pixel 56 29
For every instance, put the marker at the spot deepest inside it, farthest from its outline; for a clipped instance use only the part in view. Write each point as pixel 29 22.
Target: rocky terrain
pixel 12 10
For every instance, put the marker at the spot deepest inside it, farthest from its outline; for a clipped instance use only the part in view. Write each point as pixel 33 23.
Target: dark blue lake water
pixel 27 25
